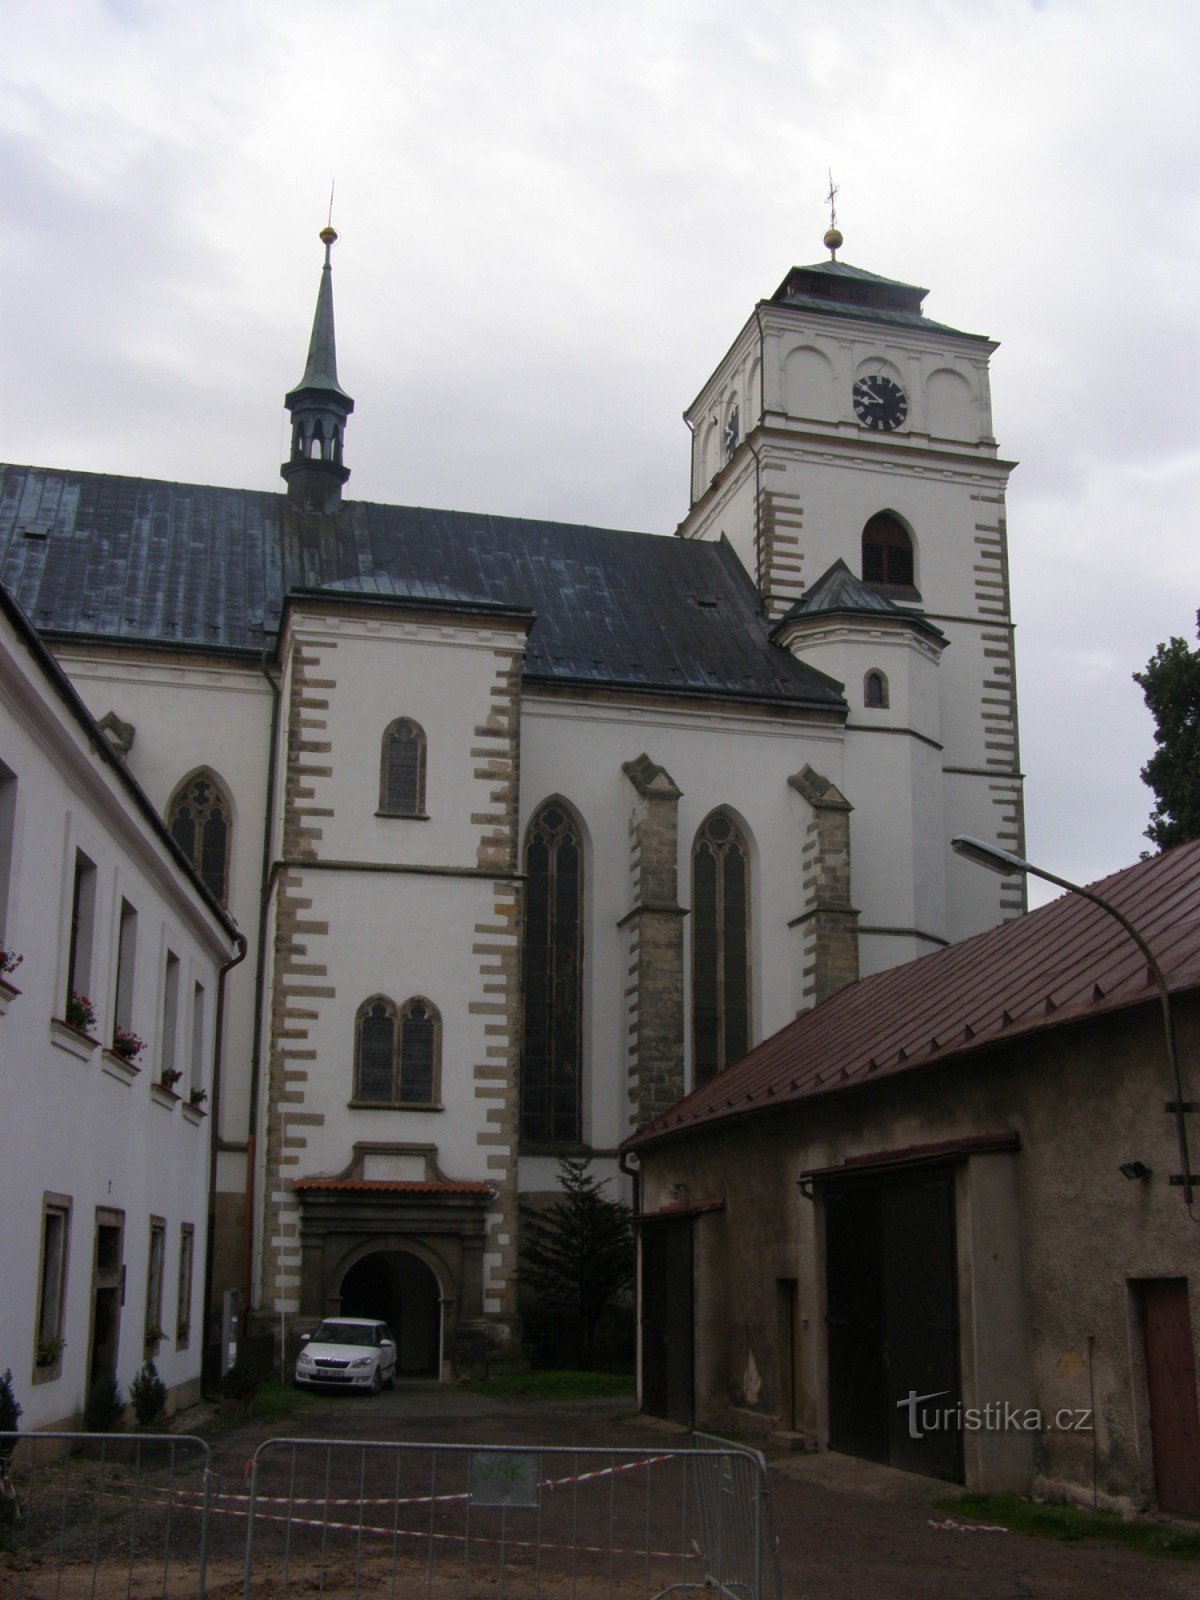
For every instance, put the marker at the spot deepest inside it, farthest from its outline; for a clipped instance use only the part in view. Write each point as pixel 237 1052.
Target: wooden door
pixel 1171 1380
pixel 668 1331
pixel 891 1303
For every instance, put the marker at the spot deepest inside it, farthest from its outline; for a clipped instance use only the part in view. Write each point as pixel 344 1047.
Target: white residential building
pixel 114 958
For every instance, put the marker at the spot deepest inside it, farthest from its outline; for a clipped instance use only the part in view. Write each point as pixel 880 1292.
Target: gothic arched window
pixel 552 1041
pixel 199 819
pixel 402 770
pixel 720 946
pixel 397 1052
pixel 875 690
pixel 887 552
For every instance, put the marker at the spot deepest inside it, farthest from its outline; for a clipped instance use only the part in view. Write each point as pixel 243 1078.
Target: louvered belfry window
pixel 720 946
pixel 552 1046
pixel 198 818
pixel 887 552
pixel 402 770
pixel 397 1052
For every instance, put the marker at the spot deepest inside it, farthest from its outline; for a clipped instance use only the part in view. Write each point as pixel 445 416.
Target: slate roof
pixel 1067 962
pixel 839 592
pixel 836 289
pixel 137 560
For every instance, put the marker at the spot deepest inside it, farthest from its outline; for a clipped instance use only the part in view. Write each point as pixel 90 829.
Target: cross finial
pixel 833 237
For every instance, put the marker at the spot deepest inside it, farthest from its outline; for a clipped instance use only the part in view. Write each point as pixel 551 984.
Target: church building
pixel 534 827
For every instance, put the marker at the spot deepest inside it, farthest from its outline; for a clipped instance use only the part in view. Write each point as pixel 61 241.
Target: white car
pixel 349 1352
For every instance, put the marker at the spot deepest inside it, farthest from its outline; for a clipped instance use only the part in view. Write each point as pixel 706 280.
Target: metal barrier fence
pixel 104 1514
pixel 353 1518
pixel 143 1517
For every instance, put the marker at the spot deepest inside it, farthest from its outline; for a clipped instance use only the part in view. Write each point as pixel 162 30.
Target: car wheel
pixel 376 1381
pixel 391 1382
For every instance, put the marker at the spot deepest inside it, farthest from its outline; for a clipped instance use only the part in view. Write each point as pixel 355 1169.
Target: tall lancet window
pixel 199 819
pixel 720 946
pixel 552 1044
pixel 402 770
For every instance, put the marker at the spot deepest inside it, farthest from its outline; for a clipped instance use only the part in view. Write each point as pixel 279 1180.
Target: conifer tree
pixel 578 1252
pixel 1171 685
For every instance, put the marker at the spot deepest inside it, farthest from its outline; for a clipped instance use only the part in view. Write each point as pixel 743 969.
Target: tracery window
pixel 887 552
pixel 552 1042
pixel 720 946
pixel 199 820
pixel 397 1052
pixel 402 769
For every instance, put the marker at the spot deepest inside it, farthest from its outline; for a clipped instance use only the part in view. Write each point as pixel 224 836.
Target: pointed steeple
pixel 319 407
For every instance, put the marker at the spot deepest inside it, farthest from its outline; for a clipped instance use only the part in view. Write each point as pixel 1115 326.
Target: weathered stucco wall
pixel 1052 1243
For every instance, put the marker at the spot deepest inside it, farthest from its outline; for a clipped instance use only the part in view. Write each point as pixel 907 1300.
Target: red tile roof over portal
pixel 1066 962
pixel 388 1186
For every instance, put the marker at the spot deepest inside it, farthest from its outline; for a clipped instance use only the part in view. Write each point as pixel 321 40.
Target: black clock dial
pixel 880 403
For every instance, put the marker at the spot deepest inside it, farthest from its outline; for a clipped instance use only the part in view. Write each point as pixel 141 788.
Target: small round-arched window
pixel 875 690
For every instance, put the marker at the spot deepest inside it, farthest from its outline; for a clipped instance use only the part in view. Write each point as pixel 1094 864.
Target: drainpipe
pixel 635 1176
pixel 762 413
pixel 214 1133
pixel 260 970
pixel 691 499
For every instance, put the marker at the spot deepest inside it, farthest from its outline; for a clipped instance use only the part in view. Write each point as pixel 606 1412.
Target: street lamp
pixel 1006 863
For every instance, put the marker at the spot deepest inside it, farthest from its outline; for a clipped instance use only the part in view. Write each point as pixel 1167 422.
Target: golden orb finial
pixel 833 241
pixel 328 235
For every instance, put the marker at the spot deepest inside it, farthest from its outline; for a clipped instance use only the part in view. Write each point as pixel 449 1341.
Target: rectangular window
pixel 183 1307
pixel 126 955
pixel 52 1285
pixel 154 1281
pixel 83 927
pixel 197 1063
pixel 169 1071
pixel 8 822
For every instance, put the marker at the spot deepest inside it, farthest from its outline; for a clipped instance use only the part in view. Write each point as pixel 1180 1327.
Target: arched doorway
pixel 400 1290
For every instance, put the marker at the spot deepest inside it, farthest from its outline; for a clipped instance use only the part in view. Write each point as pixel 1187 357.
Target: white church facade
pixel 531 827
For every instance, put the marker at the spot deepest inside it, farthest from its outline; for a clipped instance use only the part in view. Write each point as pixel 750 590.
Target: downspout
pixel 762 413
pixel 214 1134
pixel 634 1174
pixel 691 496
pixel 260 970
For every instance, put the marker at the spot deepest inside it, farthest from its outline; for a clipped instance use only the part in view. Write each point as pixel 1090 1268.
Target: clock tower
pixel 845 426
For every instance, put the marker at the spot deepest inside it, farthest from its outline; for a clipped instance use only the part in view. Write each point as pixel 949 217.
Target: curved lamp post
pixel 1004 862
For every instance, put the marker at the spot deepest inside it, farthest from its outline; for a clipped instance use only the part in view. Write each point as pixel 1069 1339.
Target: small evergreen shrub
pixel 105 1406
pixel 149 1395
pixel 239 1383
pixel 10 1416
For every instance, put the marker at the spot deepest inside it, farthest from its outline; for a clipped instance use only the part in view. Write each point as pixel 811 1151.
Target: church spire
pixel 319 407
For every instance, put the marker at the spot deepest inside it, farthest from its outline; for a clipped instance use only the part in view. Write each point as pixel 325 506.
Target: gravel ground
pixel 848 1530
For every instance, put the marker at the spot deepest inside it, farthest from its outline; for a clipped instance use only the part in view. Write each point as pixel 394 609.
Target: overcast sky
pixel 554 219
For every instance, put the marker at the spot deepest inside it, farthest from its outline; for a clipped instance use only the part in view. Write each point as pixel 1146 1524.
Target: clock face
pixel 880 403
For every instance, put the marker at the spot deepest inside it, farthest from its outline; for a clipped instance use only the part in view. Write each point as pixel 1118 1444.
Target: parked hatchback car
pixel 349 1352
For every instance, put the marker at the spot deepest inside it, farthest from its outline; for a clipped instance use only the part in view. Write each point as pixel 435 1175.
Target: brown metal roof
pixel 388 1186
pixel 1066 962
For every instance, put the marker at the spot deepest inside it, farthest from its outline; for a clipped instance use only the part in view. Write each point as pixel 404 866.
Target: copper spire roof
pixel 1066 962
pixel 320 371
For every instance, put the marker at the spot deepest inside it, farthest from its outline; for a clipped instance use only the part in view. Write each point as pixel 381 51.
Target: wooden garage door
pixel 667 1321
pixel 892 1310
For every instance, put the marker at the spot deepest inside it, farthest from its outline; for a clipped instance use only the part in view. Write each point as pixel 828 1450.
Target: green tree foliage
pixel 1171 685
pixel 10 1415
pixel 578 1252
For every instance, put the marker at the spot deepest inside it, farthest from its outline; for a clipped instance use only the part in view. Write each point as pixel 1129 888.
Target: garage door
pixel 892 1315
